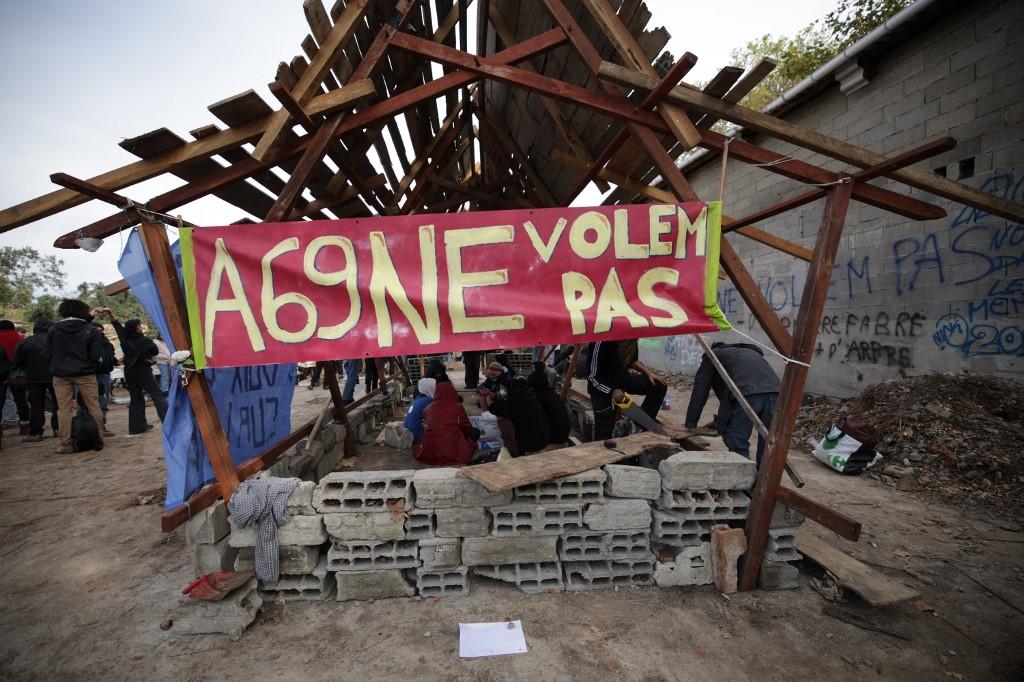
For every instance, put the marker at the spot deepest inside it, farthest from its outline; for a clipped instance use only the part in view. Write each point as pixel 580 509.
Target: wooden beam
pixel 291 105
pixel 812 305
pixel 837 522
pixel 823 144
pixel 742 88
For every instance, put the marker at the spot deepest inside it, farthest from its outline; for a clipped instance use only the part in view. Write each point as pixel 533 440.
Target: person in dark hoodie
pixel 139 357
pixel 757 382
pixel 32 356
pixel 75 354
pixel 615 369
pixel 516 402
pixel 551 403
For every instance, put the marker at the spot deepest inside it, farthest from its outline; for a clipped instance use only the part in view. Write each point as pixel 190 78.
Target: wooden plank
pixel 876 589
pixel 742 88
pixel 543 466
pixel 823 144
pixel 837 522
pixel 310 80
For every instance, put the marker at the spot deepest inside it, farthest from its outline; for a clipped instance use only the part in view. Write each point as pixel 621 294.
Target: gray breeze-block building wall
pixel 906 297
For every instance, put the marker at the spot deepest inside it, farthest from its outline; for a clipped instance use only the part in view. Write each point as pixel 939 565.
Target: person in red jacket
pixel 449 439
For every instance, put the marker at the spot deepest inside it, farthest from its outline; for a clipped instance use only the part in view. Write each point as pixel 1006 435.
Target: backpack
pixel 583 362
pixel 84 433
pixel 106 363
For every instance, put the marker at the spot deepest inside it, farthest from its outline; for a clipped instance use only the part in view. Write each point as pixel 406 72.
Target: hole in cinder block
pixel 940 171
pixel 966 168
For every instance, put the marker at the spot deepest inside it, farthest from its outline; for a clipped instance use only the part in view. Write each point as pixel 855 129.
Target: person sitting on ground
pixel 521 419
pixel 615 370
pixel 414 417
pixel 758 383
pixel 436 370
pixel 75 354
pixel 449 439
pixel 139 356
pixel 495 375
pixel 554 409
pixel 32 356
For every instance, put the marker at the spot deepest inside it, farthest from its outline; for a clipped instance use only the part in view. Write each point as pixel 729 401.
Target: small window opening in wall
pixel 966 168
pixel 941 170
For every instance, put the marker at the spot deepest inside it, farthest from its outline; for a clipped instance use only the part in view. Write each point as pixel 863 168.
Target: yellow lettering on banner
pixel 224 265
pixel 624 250
pixel 459 280
pixel 347 274
pixel 270 303
pixel 645 291
pixel 699 227
pixel 545 250
pixel 579 294
pixel 586 222
pixel 658 212
pixel 384 281
pixel 612 303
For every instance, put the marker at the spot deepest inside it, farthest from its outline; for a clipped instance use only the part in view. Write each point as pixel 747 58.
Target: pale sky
pixel 81 76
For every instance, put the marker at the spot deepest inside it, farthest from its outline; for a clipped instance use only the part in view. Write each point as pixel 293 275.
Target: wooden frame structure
pixel 545 105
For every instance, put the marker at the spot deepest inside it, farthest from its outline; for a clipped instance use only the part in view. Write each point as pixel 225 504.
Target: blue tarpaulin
pixel 254 403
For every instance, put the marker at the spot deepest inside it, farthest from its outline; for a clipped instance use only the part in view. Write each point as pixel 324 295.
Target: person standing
pixel 371 375
pixel 103 380
pixel 163 363
pixel 32 356
pixel 615 369
pixel 352 368
pixel 471 360
pixel 757 382
pixel 75 353
pixel 139 355
pixel 10 337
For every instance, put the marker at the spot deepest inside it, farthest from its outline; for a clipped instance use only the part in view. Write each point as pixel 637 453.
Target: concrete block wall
pixel 610 527
pixel 906 296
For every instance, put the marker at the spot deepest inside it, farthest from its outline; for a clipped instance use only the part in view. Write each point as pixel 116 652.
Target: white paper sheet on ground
pixel 491 639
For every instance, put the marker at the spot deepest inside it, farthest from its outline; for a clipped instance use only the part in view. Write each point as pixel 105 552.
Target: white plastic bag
pixel 844 453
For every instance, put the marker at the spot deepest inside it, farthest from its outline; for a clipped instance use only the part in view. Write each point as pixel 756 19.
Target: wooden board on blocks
pixel 875 588
pixel 545 466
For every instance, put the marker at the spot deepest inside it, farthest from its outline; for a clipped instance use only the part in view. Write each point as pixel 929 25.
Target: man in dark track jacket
pixel 32 356
pixel 139 356
pixel 75 354
pixel 615 369
pixel 757 382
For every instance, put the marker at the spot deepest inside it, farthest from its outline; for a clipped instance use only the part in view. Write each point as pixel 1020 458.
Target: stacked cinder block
pixel 207 535
pixel 776 571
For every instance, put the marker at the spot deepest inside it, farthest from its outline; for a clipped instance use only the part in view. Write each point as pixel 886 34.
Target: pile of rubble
pixel 959 436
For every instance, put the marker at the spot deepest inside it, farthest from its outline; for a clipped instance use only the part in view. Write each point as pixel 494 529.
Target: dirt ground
pixel 87 578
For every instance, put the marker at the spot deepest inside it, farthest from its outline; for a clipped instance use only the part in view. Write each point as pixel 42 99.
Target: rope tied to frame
pixel 785 358
pixel 725 164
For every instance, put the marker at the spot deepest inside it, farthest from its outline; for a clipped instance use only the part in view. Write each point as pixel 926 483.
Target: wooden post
pixel 154 237
pixel 570 371
pixel 793 378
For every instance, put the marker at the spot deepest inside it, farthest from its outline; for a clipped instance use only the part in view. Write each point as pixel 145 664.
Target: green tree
pixel 821 40
pixel 125 306
pixel 25 274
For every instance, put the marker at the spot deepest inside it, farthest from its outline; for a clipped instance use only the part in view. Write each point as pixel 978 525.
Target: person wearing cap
pixel 75 355
pixel 414 418
pixel 495 375
pixel 139 356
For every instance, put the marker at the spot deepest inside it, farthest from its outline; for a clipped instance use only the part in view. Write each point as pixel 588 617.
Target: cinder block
pixel 595 575
pixel 619 546
pixel 314 586
pixel 353 585
pixel 446 582
pixel 372 555
pixel 670 528
pixel 784 517
pixel 778 575
pixel 727 546
pixel 527 518
pixel 587 486
pixel 618 514
pixel 707 505
pixel 300 502
pixel 438 553
pixel 528 577
pixel 781 545
pixel 397 436
pixel 298 530
pixel 326 439
pixel 292 559
pixel 230 616
pixel 355 491
pixel 219 556
pixel 517 550
pixel 337 432
pixel 689 566
pixel 461 522
pixel 630 481
pixel 419 523
pixel 695 470
pixel 209 525
pixel 442 488
pixel 365 526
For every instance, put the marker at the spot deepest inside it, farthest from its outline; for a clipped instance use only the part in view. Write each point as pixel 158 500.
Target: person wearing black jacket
pixel 516 402
pixel 757 382
pixel 139 356
pixel 75 353
pixel 554 408
pixel 615 369
pixel 32 356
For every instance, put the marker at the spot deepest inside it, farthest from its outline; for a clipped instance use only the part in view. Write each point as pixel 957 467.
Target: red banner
pixel 371 287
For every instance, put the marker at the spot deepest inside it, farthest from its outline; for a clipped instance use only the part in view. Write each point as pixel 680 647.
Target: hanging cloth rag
pixel 262 501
